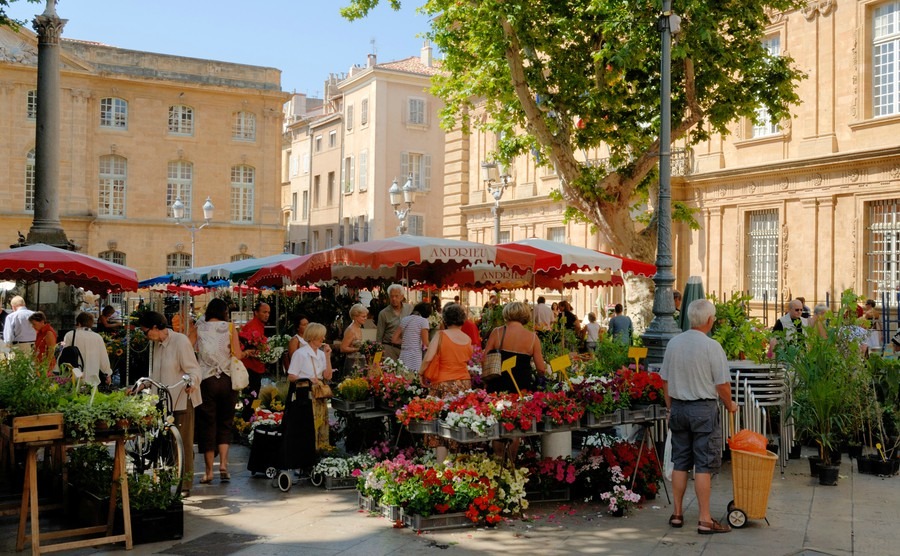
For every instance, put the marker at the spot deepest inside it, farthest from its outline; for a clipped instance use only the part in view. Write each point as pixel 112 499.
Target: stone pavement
pixel 249 517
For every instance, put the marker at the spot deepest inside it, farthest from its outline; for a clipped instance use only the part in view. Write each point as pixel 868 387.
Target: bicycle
pixel 159 449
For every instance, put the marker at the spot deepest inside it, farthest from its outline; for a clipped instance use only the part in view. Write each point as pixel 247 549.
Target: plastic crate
pixel 423 427
pixel 466 435
pixel 557 495
pixel 339 483
pixel 639 414
pixel 600 421
pixel 547 425
pixel 392 513
pixel 435 522
pixel 350 407
pixel 517 432
pixel 367 503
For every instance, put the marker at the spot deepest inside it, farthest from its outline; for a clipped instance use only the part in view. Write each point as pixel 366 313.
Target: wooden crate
pixel 35 428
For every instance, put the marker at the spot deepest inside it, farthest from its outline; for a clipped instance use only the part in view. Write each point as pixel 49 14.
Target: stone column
pixel 46 227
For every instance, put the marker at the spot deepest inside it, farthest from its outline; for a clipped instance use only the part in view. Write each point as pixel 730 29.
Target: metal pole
pixel 663 326
pixel 496 212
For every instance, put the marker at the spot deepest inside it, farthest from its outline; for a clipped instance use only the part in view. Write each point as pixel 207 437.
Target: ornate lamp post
pixel 496 178
pixel 178 213
pixel 402 196
pixel 663 326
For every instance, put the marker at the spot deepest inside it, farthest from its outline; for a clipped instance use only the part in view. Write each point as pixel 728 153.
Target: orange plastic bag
pixel 748 441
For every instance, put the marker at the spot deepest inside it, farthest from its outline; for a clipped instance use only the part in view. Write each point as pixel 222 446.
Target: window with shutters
pixel 348 173
pixel 415 111
pixel 419 165
pixel 363 170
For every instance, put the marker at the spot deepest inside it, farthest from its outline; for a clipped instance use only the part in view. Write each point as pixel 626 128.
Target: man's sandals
pixel 710 528
pixel 676 521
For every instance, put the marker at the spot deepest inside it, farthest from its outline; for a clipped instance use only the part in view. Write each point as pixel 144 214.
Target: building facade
pixel 808 206
pixel 379 124
pixel 138 131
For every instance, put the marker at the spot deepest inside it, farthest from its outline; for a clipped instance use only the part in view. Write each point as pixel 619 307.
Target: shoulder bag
pixel 431 373
pixel 320 389
pixel 490 369
pixel 240 379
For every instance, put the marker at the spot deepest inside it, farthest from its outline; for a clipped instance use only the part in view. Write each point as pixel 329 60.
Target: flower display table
pixel 352 407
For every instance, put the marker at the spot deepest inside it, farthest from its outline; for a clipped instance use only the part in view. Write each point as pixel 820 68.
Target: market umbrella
pixel 693 291
pixel 558 259
pixel 236 271
pixel 42 262
pixel 442 255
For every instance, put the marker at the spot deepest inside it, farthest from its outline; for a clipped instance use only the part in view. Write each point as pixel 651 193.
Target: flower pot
pixel 154 525
pixel 796 449
pixel 854 451
pixel 864 465
pixel 814 462
pixel 828 474
pixel 883 468
pixel 620 512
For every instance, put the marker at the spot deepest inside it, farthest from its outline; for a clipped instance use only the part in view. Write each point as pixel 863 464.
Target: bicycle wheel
pixel 138 451
pixel 166 455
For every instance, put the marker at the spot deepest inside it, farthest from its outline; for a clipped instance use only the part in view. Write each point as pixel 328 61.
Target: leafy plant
pixel 153 490
pixel 354 389
pixel 90 468
pixel 739 334
pixel 25 388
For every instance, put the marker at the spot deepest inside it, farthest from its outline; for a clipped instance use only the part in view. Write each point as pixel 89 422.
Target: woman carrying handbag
pixel 312 363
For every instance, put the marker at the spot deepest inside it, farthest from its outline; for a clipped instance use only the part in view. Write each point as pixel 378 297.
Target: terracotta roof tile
pixel 413 64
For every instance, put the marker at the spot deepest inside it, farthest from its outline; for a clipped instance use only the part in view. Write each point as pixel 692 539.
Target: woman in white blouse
pixel 312 363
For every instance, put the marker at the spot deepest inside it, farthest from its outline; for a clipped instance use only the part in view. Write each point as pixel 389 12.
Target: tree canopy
pixel 4 19
pixel 561 76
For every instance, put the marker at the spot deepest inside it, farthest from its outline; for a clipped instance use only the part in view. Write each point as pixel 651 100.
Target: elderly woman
pixel 309 365
pixel 354 360
pixel 817 320
pixel 44 341
pixel 452 349
pixel 412 335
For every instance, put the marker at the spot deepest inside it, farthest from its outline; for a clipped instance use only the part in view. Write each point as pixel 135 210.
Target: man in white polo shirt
pixel 17 331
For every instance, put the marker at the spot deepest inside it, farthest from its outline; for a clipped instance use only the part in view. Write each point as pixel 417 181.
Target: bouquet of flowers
pixel 641 386
pixel 516 412
pixel 369 348
pixel 421 409
pixel 353 389
pixel 472 409
pixel 435 321
pixel 599 395
pixel 559 407
pixel 620 497
pixel 339 468
pixel 266 420
pixel 272 349
pixel 395 390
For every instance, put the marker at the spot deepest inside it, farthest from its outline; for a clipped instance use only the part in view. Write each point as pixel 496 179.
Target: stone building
pixel 378 124
pixel 808 206
pixel 139 130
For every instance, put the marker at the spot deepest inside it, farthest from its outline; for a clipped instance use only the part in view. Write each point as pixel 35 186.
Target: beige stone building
pixel 139 130
pixel 811 205
pixel 378 124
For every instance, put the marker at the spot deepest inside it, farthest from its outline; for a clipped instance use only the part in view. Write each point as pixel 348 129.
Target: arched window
pixel 179 185
pixel 243 178
pixel 29 181
pixel 240 257
pixel 114 113
pixel 113 172
pixel 243 128
pixel 181 120
pixel 176 262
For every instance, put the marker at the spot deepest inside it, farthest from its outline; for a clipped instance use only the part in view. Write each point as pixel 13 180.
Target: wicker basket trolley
pixel 751 480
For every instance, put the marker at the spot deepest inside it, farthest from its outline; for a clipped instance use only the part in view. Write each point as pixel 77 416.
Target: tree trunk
pixel 639 301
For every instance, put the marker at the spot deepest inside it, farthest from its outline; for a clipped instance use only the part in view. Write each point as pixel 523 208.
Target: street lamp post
pixel 663 327
pixel 178 213
pixel 402 196
pixel 496 177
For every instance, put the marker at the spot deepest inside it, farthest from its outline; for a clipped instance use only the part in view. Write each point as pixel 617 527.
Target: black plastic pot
pixel 864 465
pixel 796 449
pixel 828 474
pixel 885 468
pixel 814 463
pixel 854 450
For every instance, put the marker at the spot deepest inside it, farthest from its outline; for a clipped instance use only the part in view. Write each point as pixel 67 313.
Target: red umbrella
pixel 558 259
pixel 50 264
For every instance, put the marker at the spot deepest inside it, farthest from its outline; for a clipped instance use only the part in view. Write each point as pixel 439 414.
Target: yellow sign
pixel 377 358
pixel 508 364
pixel 561 363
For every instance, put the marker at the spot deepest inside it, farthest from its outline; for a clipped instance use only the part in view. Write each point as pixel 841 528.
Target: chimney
pixel 371 61
pixel 426 55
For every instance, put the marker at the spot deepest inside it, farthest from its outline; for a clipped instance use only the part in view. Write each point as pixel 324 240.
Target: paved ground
pixel 249 517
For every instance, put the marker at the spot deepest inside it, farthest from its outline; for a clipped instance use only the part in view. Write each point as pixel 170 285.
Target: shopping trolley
pixel 751 477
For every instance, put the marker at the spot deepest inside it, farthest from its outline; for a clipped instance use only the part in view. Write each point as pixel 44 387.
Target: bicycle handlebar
pixel 139 385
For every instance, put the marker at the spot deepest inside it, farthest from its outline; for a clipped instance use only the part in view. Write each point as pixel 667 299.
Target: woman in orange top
pixel 453 348
pixel 45 341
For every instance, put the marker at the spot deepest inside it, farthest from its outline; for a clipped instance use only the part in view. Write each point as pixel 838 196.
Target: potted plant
pixel 822 367
pixel 157 513
pixel 741 337
pixel 90 471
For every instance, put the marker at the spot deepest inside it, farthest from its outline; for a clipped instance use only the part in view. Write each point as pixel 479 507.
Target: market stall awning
pixel 236 271
pixel 558 259
pixel 42 262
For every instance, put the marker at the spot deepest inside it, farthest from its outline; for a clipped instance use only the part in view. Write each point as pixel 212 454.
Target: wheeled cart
pixel 266 453
pixel 751 476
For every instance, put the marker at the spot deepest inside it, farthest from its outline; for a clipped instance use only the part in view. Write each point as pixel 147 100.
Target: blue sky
pixel 305 39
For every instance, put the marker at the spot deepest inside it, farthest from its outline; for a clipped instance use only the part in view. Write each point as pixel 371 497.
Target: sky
pixel 306 39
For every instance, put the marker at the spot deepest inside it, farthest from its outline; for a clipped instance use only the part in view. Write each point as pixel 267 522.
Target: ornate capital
pixel 818 7
pixel 49 28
